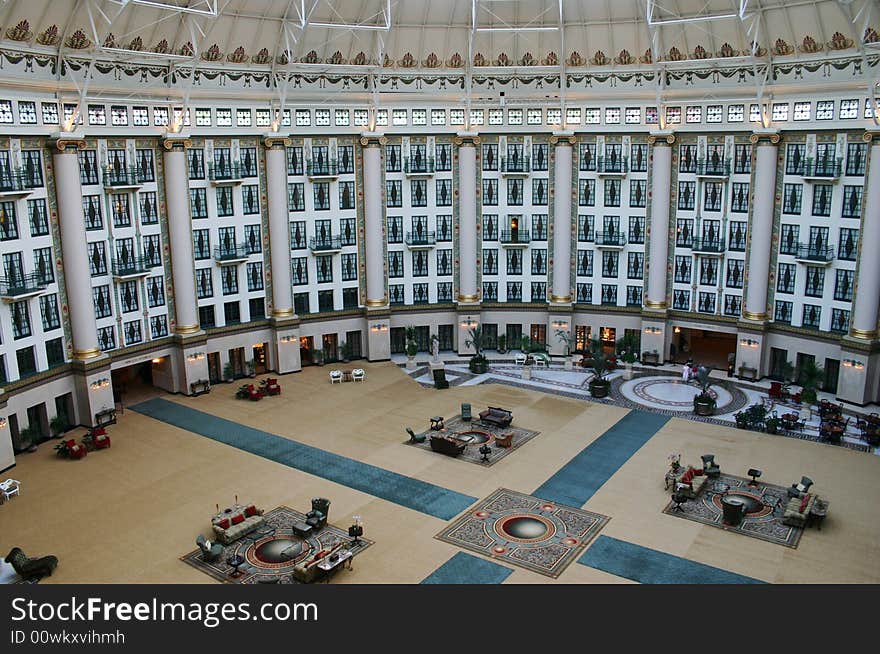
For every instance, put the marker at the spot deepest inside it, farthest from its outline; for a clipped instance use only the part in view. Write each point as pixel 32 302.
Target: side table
pixel 817 514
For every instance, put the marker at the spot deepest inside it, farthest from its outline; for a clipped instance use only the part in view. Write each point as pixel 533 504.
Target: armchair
pixel 798 490
pixel 413 438
pixel 317 517
pixel 254 393
pixel 711 469
pixel 96 439
pixel 29 568
pixel 466 412
pixel 358 374
pixel 335 376
pixel 210 551
pixel 273 387
pixel 71 449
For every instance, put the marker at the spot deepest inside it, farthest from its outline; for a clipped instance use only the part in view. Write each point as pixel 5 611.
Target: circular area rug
pixel 669 393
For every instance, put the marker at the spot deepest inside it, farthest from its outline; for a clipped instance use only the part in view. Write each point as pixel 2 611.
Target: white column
pixel 467 218
pixel 661 179
pixel 74 250
pixel 374 228
pixel 561 291
pixel 279 225
pixel 866 301
pixel 180 235
pixel 763 204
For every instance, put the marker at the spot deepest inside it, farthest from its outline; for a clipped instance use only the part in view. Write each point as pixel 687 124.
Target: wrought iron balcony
pixel 814 255
pixel 17 286
pixel 419 166
pixel 131 267
pixel 616 166
pixel 231 254
pixel 515 238
pixel 122 177
pixel 228 173
pixel 12 183
pixel 821 170
pixel 512 167
pixel 713 167
pixel 610 240
pixel 709 246
pixel 326 168
pixel 325 243
pixel 421 240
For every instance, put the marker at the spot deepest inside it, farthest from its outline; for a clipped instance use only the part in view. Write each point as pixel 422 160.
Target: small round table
pixel 437 423
pixel 236 561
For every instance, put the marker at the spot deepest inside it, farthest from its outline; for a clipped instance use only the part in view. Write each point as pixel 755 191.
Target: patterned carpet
pixel 763 519
pixel 271 551
pixel 466 568
pixel 481 433
pixel 526 531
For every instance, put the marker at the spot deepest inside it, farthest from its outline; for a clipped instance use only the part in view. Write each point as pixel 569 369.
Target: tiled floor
pixel 126 514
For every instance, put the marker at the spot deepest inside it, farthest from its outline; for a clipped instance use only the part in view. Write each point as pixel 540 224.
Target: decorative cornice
pixel 270 142
pixel 62 143
pixel 172 142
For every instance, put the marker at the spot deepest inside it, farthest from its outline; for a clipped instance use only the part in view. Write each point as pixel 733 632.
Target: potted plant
pixel 772 423
pixel 345 351
pixel 251 367
pixel 809 377
pixel 524 344
pixel 525 370
pixel 599 384
pixel 629 358
pixel 412 348
pixel 228 372
pixel 478 363
pixel 502 344
pixel 27 438
pixel 318 357
pixel 564 337
pixel 59 424
pixel 704 402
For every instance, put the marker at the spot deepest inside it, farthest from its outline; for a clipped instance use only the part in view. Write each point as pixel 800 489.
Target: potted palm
pixel 524 344
pixel 345 351
pixel 704 402
pixel 599 384
pixel 809 377
pixel 564 336
pixel 59 424
pixel 412 348
pixel 502 344
pixel 27 439
pixel 478 363
pixel 251 368
pixel 228 372
pixel 318 357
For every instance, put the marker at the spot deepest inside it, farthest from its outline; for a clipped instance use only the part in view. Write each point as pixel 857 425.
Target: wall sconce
pixel 99 383
pixel 379 327
pixel 288 339
pixel 653 330
pixel 677 329
pixel 853 363
pixel 559 324
pixel 3 423
pixel 157 361
pixel 468 323
pixel 195 356
pixel 749 342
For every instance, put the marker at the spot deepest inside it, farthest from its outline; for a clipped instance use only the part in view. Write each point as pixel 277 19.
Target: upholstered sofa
pixel 497 416
pixel 230 528
pixel 447 445
pixel 797 510
pixel 690 483
pixel 307 570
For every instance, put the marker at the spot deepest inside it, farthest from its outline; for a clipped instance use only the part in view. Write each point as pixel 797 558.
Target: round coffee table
pixel 236 561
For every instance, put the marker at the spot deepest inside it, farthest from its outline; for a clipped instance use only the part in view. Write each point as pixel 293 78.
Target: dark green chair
pixel 210 552
pixel 466 412
pixel 413 438
pixel 28 568
pixel 440 379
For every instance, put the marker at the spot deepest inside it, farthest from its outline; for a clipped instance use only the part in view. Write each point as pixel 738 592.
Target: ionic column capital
pixel 176 143
pixel 373 139
pixel 276 141
pixel 68 143
pixel 661 137
pixel 563 138
pixel 467 139
pixel 766 137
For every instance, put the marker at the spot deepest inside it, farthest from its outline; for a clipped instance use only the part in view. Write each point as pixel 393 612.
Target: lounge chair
pixel 210 551
pixel 28 568
pixel 413 438
pixel 466 412
pixel 335 376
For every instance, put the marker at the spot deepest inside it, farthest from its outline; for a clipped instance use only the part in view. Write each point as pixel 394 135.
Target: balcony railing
pixel 228 172
pixel 516 237
pixel 516 166
pixel 131 267
pixel 814 254
pixel 821 169
pixel 611 239
pixel 421 239
pixel 22 285
pixel 710 246
pixel 231 253
pixel 325 244
pixel 612 166
pixel 713 168
pixel 419 166
pixel 122 176
pixel 12 182
pixel 325 168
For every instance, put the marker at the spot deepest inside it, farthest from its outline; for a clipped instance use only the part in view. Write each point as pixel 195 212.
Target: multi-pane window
pixel 586 228
pixel 782 311
pixel 732 305
pixel 635 266
pixel 490 227
pixel 248 158
pixel 133 332
pixel 638 193
pixel 146 171
pixel 103 303
pixel 321 196
pixel 742 159
pixel 393 159
pixel 107 337
pixel 539 291
pixel 97 258
pixel 420 293
pixel 8 221
pixel 636 229
pixel 840 321
pixel 843 286
pixel 684 232
pixel 514 262
pixel 822 199
pixel 395 229
pixel 158 326
pixel 786 278
pixel 490 262
pixel 444 263
pixel 788 240
pixel 346 195
pixel 204 283
pixel 294 160
pixel 735 271
pixel 856 157
pixel 443 157
pixel 706 302
pixel 148 208
pixel 43 265
pixel 811 316
pixel 609 294
pixel 515 192
pixel 739 197
pixel 395 264
pixel 198 203
pixel 587 158
pixel 849 242
pixel 736 239
pixel 92 212
pixel 852 202
pixel 443 193
pixel 196 163
pixel 514 291
pixel 612 192
pixel 128 296
pixel 815 282
pixel 254 276
pixel 347 231
pixel 586 192
pixel 539 262
pixel 155 291
pixel 38 217
pixel 418 193
pixel 32 168
pixel 420 263
pixel 297 234
pixel 300 271
pixel 540 157
pixel 539 192
pixel 585 263
pixel 394 193
pixel 584 292
pixel 349 267
pixel 712 195
pixel 250 199
pixel 638 158
pixel 634 296
pixel 120 210
pixel 490 156
pixel 296 196
pixel 49 312
pixel 252 242
pixel 21 320
pixel 88 167
pixel 346 159
pixel 683 267
pixel 609 264
pixel 795 156
pixel 201 244
pixel 229 280
pixel 490 291
pixel 708 271
pixel 687 195
pixel 539 227
pixel 687 159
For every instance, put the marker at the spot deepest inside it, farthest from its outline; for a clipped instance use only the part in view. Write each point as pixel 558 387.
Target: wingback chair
pixel 413 438
pixel 317 517
pixel 798 490
pixel 466 412
pixel 711 469
pixel 210 551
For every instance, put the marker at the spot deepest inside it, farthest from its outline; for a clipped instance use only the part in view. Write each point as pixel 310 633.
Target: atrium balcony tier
pixel 231 254
pixel 225 175
pixel 610 240
pixel 713 168
pixel 518 167
pixel 714 246
pixel 813 255
pixel 515 238
pixel 823 170
pixel 420 240
pixel 419 167
pixel 325 244
pixel 612 167
pixel 12 184
pixel 131 267
pixel 117 178
pixel 19 287
pixel 328 169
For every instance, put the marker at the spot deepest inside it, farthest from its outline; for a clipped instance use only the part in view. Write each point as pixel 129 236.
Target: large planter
pixel 627 371
pixel 704 407
pixel 651 358
pixel 478 366
pixel 600 388
pixel 568 365
pixel 526 372
pixel 410 363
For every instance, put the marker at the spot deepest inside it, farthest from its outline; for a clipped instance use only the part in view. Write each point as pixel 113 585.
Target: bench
pixel 497 416
pixel 447 445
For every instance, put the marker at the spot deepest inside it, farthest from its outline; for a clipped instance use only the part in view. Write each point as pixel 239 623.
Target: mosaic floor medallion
pixel 527 531
pixel 665 392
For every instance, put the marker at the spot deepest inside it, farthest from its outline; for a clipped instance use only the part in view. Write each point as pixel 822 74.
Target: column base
pixel 378 334
pixel 93 389
pixel 7 452
pixel 559 330
pixel 467 320
pixel 285 344
pixel 859 378
pixel 655 338
pixel 750 359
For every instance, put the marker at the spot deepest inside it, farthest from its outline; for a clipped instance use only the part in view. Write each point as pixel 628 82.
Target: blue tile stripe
pixel 468 569
pixel 578 480
pixel 649 566
pixel 387 485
